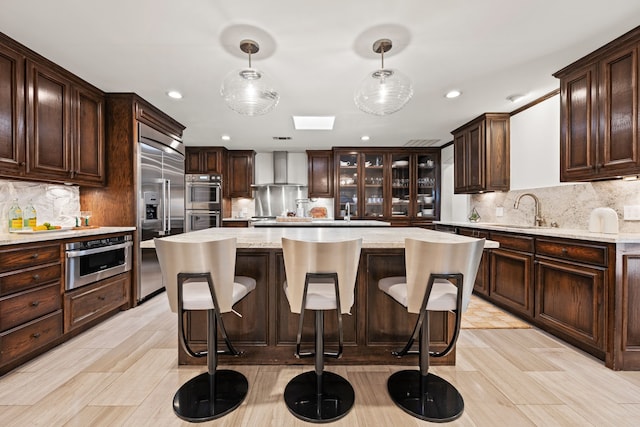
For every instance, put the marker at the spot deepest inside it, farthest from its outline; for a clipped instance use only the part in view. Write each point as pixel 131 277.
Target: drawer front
pixel 513 241
pixel 473 232
pixel 572 251
pixel 14 282
pixel 16 259
pixel 28 337
pixel 84 304
pixel 28 305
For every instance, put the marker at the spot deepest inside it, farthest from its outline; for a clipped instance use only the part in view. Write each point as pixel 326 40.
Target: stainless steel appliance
pixel 160 201
pixel 92 260
pixel 203 201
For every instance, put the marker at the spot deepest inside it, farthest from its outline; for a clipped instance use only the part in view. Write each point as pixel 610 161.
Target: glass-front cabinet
pixel 400 185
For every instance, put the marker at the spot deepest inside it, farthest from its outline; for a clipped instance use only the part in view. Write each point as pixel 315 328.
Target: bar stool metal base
pixel 429 397
pixel 333 403
pixel 193 401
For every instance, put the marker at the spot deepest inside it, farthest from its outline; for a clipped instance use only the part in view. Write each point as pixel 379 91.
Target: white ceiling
pixel 316 53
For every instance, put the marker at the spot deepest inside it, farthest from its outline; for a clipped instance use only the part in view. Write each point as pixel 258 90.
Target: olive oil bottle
pixel 15 216
pixel 29 215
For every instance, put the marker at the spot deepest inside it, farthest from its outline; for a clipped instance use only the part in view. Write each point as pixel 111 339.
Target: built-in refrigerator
pixel 160 201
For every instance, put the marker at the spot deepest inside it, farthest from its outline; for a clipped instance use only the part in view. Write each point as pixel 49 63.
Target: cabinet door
pixel 618 109
pixel 401 180
pixel 88 144
pixel 427 187
pixel 240 173
pixel 48 123
pixel 347 185
pixel 213 160
pixel 475 155
pixel 374 186
pixel 320 173
pixel 569 301
pixel 12 138
pixel 459 162
pixel 511 281
pixel 578 125
pixel 192 161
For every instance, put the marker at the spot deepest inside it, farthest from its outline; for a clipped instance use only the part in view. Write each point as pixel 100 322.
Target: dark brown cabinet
pixel 511 272
pixel 12 137
pixel 571 279
pixel 240 173
pixel 397 185
pixel 210 160
pixel 320 173
pixel 56 132
pixel 481 285
pixel 481 154
pixel 599 118
pixel 30 300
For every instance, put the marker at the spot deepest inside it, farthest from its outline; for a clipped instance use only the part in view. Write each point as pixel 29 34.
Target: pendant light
pixel 383 91
pixel 247 91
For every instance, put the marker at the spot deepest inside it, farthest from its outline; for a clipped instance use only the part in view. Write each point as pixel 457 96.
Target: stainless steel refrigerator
pixel 160 201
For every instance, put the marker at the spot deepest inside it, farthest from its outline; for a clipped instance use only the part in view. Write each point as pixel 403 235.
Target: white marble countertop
pixel 550 231
pixel 321 223
pixel 18 238
pixel 270 237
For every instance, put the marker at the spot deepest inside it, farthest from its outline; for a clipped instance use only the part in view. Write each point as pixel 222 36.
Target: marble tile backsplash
pixel 54 203
pixel 568 205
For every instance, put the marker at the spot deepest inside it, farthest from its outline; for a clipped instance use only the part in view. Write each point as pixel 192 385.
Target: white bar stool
pixel 440 277
pixel 200 276
pixel 320 276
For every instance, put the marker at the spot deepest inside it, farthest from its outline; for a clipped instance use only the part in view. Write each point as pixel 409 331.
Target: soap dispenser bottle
pixel 299 209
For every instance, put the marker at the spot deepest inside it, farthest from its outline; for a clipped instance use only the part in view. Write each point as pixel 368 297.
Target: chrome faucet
pixel 537 220
pixel 348 215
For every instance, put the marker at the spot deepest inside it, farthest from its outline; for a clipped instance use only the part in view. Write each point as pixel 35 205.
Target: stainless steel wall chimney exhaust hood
pixel 280 171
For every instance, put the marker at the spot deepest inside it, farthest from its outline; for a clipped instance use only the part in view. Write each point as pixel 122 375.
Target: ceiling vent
pixel 421 142
pixel 281 138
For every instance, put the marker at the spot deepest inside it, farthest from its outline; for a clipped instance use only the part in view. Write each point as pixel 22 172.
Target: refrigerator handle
pixel 168 205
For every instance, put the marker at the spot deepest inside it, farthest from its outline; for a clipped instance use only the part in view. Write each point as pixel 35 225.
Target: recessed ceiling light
pixel 313 122
pixel 453 94
pixel 365 138
pixel 174 94
pixel 225 138
pixel 516 97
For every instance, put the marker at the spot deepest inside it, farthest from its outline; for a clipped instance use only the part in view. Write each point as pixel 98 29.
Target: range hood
pixel 280 171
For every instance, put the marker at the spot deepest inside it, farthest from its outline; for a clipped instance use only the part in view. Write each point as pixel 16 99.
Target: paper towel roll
pixel 603 220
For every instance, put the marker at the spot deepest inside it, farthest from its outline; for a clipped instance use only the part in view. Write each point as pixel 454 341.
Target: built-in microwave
pixel 203 192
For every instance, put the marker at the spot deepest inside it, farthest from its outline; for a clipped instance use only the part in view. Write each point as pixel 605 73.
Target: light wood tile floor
pixel 125 372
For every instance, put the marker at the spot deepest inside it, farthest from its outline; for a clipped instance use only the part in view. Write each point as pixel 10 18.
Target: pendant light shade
pixel 384 91
pixel 247 91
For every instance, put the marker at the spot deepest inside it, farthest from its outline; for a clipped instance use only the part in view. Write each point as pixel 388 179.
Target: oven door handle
pixel 74 254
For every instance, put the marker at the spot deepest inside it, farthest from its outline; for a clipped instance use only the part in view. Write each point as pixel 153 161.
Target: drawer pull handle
pixel 564 251
pixel 36 335
pixel 102 298
pixel 36 277
pixel 35 303
pixel 35 256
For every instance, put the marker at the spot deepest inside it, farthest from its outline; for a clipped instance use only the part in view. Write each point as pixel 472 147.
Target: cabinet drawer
pixel 25 338
pixel 84 304
pixel 28 305
pixel 15 259
pixel 473 232
pixel 14 282
pixel 513 241
pixel 580 252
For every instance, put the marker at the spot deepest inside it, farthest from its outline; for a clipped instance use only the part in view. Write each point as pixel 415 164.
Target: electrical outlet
pixel 632 213
pixel 499 211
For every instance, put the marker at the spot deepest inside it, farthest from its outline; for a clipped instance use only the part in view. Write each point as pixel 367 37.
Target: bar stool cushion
pixel 197 296
pixel 442 298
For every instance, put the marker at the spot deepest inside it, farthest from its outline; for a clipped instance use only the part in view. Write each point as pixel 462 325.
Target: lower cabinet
pixel 481 285
pixel 28 337
pixel 88 303
pixel 511 273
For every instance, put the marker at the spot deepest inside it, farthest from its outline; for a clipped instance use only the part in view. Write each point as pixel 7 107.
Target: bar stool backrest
pixel 217 257
pixel 302 257
pixel 424 258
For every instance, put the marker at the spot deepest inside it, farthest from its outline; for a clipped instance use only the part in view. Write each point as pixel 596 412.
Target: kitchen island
pixel 320 223
pixel 267 331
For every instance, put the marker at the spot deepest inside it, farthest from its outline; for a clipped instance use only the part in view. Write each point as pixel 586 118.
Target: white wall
pixel 535 146
pixel 453 207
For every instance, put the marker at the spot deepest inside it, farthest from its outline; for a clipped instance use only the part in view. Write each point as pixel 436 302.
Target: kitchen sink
pixel 527 227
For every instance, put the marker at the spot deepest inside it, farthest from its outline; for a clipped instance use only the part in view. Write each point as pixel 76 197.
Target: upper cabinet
pixel 240 173
pixel 12 138
pixel 599 113
pixel 209 160
pixel 481 154
pixel 62 117
pixel 399 185
pixel 320 173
